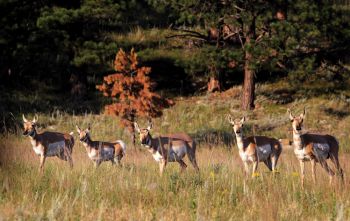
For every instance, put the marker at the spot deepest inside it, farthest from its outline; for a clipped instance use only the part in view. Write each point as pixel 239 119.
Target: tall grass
pixel 135 191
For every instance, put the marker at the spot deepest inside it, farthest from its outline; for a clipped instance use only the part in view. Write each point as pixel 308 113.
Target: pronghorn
pixel 168 148
pixel 314 148
pixel 255 149
pixel 99 151
pixel 49 144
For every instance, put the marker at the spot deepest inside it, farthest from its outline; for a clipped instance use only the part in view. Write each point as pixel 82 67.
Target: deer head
pixel 144 133
pixel 237 125
pixel 297 122
pixel 29 126
pixel 84 135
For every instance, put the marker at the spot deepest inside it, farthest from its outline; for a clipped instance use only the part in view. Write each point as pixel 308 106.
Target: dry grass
pixel 137 192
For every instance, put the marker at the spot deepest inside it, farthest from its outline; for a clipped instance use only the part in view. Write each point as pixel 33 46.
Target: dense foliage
pixel 294 37
pixel 65 47
pixel 131 90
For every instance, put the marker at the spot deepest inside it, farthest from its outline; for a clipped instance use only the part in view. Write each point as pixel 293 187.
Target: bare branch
pixel 281 65
pixel 190 31
pixel 187 35
pixel 240 39
pixel 230 35
pixel 236 7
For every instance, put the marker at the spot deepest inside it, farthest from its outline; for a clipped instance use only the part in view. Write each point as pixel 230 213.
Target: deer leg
pixel 255 168
pixel 162 165
pixel 313 168
pixel 118 159
pixel 268 163
pixel 302 172
pixel 67 156
pixel 192 158
pixel 335 161
pixel 182 165
pixel 274 160
pixel 328 169
pixel 97 163
pixel 246 168
pixel 42 162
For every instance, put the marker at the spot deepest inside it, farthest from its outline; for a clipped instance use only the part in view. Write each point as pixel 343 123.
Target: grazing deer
pixel 99 151
pixel 255 149
pixel 168 148
pixel 49 144
pixel 314 148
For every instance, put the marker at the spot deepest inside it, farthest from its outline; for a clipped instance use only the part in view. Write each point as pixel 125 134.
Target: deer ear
pixel 24 119
pixel 242 120
pixel 137 128
pixel 302 115
pixel 290 115
pixel 230 119
pixel 150 125
pixel 35 119
pixel 78 129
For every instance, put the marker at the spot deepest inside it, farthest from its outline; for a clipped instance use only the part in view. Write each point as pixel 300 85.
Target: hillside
pixel 135 191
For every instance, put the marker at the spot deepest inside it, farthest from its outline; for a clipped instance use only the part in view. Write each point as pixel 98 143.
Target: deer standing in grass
pixel 255 149
pixel 99 151
pixel 314 148
pixel 49 144
pixel 168 148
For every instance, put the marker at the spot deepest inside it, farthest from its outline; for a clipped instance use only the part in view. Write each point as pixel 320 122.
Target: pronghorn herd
pixel 316 148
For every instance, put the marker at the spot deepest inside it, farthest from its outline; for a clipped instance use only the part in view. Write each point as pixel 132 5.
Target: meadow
pixel 135 191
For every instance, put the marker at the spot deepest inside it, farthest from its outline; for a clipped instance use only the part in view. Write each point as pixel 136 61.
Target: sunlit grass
pixel 135 191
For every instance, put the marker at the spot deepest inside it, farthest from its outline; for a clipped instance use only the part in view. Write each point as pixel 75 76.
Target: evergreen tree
pixel 258 34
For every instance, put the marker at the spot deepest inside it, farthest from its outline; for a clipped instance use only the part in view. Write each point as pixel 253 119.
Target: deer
pixel 255 149
pixel 99 151
pixel 168 148
pixel 48 144
pixel 314 147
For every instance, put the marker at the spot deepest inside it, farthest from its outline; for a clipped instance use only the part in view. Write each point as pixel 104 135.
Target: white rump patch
pixel 54 149
pixel 321 150
pixel 157 156
pixel 264 152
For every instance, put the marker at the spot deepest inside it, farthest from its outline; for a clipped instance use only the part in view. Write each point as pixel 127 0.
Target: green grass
pixel 137 192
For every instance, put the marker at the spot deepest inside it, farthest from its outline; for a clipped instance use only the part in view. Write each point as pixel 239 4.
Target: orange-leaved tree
pixel 131 89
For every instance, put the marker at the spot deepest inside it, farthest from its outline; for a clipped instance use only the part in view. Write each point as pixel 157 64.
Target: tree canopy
pixel 61 44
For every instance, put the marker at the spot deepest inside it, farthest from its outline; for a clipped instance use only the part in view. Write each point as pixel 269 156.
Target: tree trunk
pixel 213 85
pixel 248 94
pixel 132 131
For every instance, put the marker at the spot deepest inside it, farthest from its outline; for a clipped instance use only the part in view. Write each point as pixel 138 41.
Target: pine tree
pixel 257 34
pixel 131 88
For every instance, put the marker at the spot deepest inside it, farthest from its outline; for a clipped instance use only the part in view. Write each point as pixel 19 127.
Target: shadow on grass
pixel 337 113
pixel 15 103
pixel 214 138
pixel 280 96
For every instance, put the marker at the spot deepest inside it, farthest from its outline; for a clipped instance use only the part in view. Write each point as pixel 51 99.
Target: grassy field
pixel 135 191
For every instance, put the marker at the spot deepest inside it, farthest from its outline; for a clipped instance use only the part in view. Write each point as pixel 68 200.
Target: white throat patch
pixel 157 156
